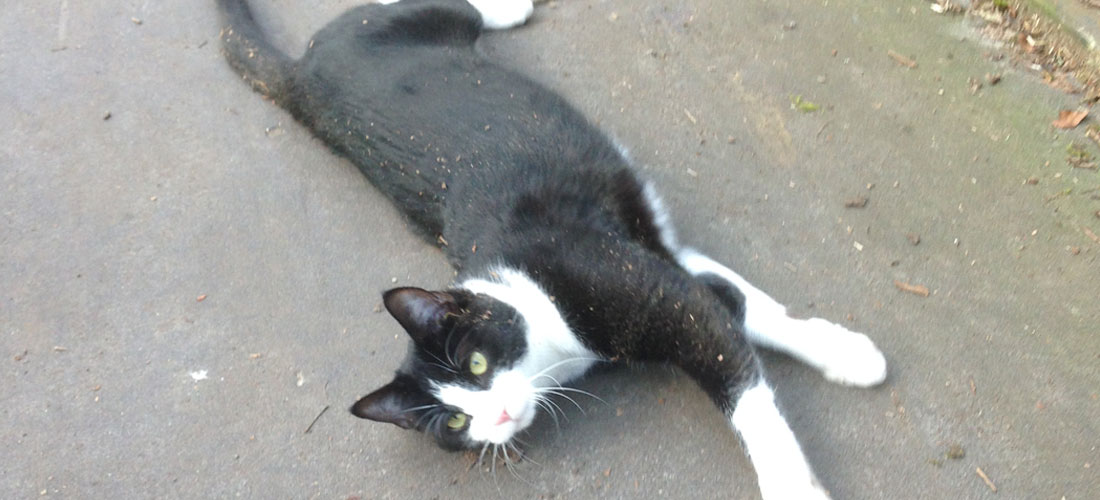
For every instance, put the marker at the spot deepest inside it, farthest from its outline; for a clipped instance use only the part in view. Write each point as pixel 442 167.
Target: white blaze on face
pixel 496 414
pixel 553 356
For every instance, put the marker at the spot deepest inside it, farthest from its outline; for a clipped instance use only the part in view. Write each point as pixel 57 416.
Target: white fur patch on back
pixel 661 219
pixel 497 14
pixel 503 14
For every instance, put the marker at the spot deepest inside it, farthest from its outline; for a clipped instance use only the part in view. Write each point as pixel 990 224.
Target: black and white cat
pixel 565 258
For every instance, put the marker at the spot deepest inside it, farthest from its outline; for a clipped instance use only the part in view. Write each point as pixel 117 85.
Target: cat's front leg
pixel 842 356
pixel 782 471
pixel 715 351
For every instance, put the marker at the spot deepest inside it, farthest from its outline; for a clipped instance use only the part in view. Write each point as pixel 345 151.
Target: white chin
pixel 503 433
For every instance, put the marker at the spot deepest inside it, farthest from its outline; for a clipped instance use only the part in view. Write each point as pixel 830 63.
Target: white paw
pixel 844 356
pixel 503 14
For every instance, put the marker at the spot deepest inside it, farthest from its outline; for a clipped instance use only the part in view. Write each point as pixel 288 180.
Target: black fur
pixel 499 170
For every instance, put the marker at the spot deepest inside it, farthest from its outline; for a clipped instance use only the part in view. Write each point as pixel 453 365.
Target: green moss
pixel 1078 152
pixel 802 105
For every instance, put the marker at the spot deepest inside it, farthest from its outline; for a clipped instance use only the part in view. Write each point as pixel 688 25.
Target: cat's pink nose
pixel 504 417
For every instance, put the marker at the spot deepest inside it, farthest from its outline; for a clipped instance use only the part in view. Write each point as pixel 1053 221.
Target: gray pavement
pixel 121 383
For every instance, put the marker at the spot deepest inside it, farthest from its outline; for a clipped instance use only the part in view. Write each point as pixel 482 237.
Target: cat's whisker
pixel 552 408
pixel 579 391
pixel 428 416
pixel 441 364
pixel 447 347
pixel 561 390
pixel 542 373
pixel 551 377
pixel 417 408
pixel 481 455
pixel 433 420
pixel 550 411
pixel 494 466
pixel 510 464
pixel 513 465
pixel 563 395
pixel 445 368
pixel 523 456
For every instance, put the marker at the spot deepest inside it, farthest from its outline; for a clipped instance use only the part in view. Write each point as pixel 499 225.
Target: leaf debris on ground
pixel 1068 119
pixel 1078 156
pixel 857 202
pixel 1038 37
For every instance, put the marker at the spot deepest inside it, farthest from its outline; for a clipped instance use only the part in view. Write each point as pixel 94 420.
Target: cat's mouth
pixel 506 423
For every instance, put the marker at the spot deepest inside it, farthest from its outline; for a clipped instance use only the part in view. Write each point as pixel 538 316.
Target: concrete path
pixel 188 278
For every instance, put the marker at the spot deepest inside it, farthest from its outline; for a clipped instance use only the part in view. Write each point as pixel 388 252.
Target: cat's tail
pixel 248 51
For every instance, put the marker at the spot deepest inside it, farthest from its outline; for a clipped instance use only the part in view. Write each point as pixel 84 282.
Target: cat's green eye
pixel 457 421
pixel 478 363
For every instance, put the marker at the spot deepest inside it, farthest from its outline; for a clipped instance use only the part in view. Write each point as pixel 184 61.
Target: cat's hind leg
pixel 842 356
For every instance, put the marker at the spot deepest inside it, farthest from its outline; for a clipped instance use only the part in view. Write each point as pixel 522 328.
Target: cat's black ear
pixel 419 311
pixel 397 402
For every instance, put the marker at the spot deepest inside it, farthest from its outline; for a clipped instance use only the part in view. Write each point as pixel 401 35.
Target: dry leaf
pixel 1069 119
pixel 914 289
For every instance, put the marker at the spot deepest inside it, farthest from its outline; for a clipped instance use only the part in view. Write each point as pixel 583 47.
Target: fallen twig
pixel 690 116
pixel 1090 234
pixel 985 478
pixel 902 60
pixel 315 419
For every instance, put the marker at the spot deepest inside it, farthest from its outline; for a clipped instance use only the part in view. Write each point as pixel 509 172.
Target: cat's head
pixel 464 381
